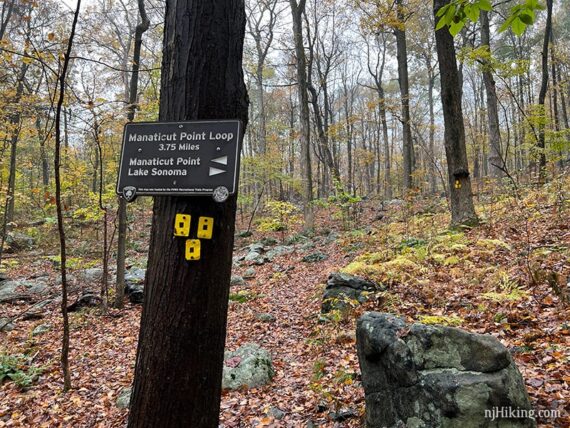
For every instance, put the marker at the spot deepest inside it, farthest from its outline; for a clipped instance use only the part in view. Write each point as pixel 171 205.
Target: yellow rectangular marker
pixel 182 225
pixel 205 227
pixel 192 249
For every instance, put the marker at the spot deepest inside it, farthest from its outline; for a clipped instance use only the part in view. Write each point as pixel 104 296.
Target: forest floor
pixel 506 277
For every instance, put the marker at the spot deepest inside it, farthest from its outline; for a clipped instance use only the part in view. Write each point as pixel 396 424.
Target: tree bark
pixel 461 196
pixel 181 342
pixel 431 148
pixel 495 160
pixel 297 10
pixel 15 129
pixel 541 144
pixel 140 29
pixel 59 204
pixel 377 74
pixel 402 54
pixel 257 25
pixel 7 9
pixel 43 155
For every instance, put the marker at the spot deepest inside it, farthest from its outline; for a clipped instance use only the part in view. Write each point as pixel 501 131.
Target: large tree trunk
pixel 496 163
pixel 461 196
pixel 297 10
pixel 402 54
pixel 181 343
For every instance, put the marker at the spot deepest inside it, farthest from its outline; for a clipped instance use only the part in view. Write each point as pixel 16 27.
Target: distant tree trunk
pixel 388 191
pixel 322 135
pixel 263 40
pixel 349 141
pixel 142 26
pixel 104 291
pixel 496 163
pixel 461 196
pixel 297 10
pixel 377 74
pixel 59 204
pixel 555 111
pixel 95 174
pixel 15 130
pixel 7 9
pixel 181 343
pixel 43 155
pixel 541 145
pixel 431 149
pixel 560 114
pixel 402 54
pixel 65 128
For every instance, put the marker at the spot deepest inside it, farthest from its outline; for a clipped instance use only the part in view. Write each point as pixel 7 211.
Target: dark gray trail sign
pixel 180 158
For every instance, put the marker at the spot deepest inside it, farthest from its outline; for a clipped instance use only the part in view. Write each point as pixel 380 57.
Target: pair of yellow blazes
pixel 182 228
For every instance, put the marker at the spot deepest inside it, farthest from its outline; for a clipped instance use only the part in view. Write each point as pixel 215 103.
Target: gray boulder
pixel 237 280
pixel 21 289
pixel 257 247
pixel 315 257
pixel 135 292
pixel 254 257
pixel 41 329
pixel 249 273
pixel 433 376
pixel 250 366
pixel 331 237
pixel 16 241
pixel 134 284
pixel 265 317
pixel 87 300
pixel 134 275
pixel 278 251
pixel 276 413
pixel 342 289
pixel 91 275
pixel 6 324
pixel 124 398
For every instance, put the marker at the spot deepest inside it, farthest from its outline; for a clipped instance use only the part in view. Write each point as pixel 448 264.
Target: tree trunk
pixel 297 10
pixel 59 203
pixel 15 129
pixel 183 328
pixel 496 163
pixel 402 54
pixel 7 9
pixel 431 170
pixel 261 106
pixel 43 155
pixel 142 26
pixel 461 196
pixel 541 144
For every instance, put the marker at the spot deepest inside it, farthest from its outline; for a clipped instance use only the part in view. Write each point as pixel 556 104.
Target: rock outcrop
pixel 425 376
pixel 342 289
pixel 248 366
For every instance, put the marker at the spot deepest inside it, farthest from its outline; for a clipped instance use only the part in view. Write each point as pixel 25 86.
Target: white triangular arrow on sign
pixel 216 171
pixel 223 160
